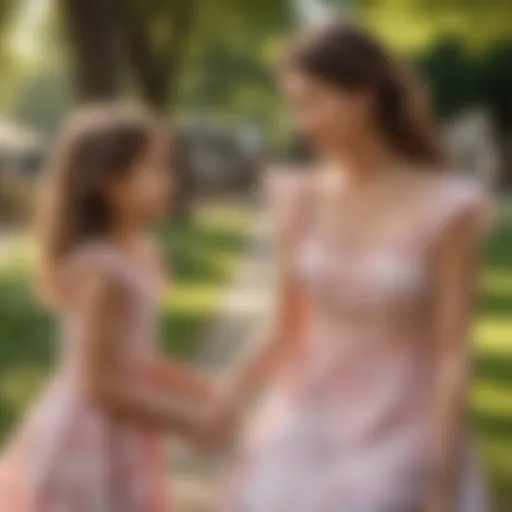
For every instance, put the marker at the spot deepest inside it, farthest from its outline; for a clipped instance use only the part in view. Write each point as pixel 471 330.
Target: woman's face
pixel 330 118
pixel 145 194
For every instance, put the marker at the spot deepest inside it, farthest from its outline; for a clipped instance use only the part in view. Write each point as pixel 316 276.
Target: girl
pixel 378 259
pixel 94 441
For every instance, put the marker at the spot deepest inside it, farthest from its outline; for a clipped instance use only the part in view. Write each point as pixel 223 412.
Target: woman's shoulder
pixel 454 197
pixel 461 194
pixel 455 185
pixel 285 185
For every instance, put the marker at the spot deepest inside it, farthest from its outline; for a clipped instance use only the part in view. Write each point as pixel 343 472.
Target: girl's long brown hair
pixel 98 146
pixel 347 56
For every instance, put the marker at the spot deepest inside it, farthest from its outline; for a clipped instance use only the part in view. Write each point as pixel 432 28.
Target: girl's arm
pixel 178 378
pixel 172 375
pixel 456 265
pixel 102 308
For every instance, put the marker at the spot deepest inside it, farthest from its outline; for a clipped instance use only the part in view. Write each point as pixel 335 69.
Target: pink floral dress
pixel 346 429
pixel 69 456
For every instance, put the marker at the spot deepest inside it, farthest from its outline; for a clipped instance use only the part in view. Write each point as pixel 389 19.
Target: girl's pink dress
pixel 346 428
pixel 69 456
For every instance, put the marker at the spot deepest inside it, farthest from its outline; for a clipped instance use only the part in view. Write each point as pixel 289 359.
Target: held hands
pixel 437 506
pixel 219 422
pixel 439 501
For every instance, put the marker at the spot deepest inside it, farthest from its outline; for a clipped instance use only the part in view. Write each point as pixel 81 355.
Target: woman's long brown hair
pixel 347 56
pixel 98 146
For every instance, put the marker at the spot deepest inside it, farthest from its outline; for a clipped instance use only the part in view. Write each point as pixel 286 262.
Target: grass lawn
pixel 492 397
pixel 202 255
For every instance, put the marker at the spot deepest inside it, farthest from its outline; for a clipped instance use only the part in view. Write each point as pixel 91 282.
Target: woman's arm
pixel 102 307
pixel 456 266
pixel 279 342
pixel 290 201
pixel 255 368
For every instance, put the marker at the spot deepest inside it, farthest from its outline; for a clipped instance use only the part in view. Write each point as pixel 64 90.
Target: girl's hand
pixel 437 503
pixel 172 375
pixel 219 423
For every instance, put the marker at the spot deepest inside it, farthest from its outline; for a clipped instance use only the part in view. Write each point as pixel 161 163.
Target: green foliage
pixel 459 79
pixel 415 25
pixel 229 66
pixel 201 256
pixel 496 82
pixel 452 75
pixel 7 11
pixel 43 99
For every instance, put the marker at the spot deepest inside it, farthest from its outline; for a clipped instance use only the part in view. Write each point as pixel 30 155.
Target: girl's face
pixel 330 118
pixel 144 195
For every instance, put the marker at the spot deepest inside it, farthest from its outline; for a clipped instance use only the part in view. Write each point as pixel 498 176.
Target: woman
pixel 377 263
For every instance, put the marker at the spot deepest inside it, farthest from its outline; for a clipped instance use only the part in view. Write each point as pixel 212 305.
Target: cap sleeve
pixel 462 199
pixel 94 257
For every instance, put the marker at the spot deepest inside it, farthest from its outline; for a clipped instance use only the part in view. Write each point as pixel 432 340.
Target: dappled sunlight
pixel 498 283
pixel 494 334
pixel 189 297
pixel 492 391
pixel 20 385
pixel 498 455
pixel 490 397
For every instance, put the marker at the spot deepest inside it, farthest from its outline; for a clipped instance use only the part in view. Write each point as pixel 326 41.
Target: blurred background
pixel 208 67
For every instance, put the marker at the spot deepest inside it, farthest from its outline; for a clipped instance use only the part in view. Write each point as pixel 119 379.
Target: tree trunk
pixel 156 68
pixel 92 33
pixel 150 73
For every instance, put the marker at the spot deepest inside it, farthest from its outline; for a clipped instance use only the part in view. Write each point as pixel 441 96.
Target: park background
pixel 208 66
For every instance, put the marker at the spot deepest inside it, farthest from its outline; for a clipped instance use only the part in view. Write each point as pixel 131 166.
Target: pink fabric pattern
pixel 69 456
pixel 350 433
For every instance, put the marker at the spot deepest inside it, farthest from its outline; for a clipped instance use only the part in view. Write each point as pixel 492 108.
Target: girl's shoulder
pixel 96 259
